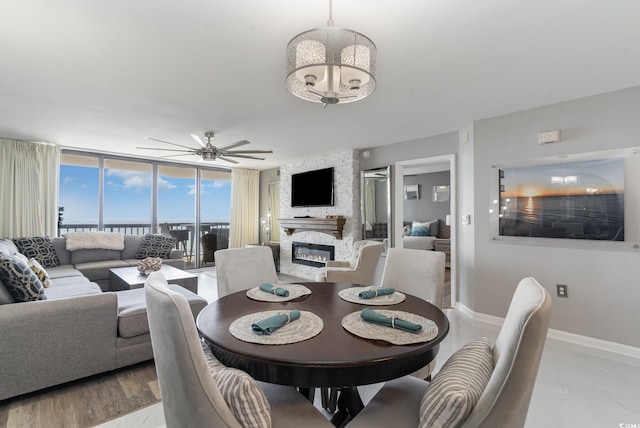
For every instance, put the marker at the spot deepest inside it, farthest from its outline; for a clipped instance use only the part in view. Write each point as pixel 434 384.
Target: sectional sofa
pixel 80 328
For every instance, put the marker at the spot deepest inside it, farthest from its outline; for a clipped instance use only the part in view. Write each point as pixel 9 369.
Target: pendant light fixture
pixel 331 65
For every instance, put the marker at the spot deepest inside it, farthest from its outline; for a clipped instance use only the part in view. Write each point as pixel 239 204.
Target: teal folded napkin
pixel 370 294
pixel 374 317
pixel 271 324
pixel 271 289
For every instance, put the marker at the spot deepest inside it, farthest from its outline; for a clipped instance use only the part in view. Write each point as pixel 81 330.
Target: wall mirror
pixel 376 204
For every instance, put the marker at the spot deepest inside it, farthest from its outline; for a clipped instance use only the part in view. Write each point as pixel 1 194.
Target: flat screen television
pixel 312 188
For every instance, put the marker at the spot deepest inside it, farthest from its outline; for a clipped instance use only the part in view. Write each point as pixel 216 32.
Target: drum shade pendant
pixel 331 65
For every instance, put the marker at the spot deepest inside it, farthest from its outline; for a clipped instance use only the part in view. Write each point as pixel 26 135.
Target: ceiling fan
pixel 209 152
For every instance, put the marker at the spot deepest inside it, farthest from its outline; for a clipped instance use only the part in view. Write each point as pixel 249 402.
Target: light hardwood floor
pixel 84 403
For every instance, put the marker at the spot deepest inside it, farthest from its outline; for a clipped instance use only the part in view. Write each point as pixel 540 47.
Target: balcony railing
pixel 183 232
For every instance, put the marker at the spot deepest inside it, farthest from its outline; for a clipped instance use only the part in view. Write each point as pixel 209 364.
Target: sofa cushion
pixel 456 388
pixel 131 246
pixel 21 282
pixel 40 272
pixel 72 290
pixel 155 246
pixel 40 248
pixel 240 391
pixel 60 245
pixel 94 255
pixel 5 296
pixel 63 271
pixel 99 270
pixel 69 280
pixel 132 309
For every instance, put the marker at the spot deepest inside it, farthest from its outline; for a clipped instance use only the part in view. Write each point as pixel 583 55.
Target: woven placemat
pixel 351 295
pixel 295 291
pixel 305 327
pixel 356 325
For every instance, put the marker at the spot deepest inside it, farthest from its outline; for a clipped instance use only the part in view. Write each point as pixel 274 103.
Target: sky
pixel 127 197
pixel 600 176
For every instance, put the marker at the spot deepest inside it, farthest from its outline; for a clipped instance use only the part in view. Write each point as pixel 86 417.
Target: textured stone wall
pixel 346 191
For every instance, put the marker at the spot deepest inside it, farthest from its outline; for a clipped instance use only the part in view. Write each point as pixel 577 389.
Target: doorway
pixel 433 193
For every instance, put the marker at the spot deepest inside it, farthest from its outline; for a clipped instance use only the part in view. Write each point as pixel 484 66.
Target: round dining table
pixel 334 358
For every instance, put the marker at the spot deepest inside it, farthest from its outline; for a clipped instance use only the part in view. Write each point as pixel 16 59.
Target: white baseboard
pixel 576 339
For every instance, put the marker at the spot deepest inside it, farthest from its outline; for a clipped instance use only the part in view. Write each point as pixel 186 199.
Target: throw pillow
pixel 40 272
pixel 420 229
pixel 39 248
pixel 241 393
pixel 19 279
pixel 434 228
pixel 155 246
pixel 456 388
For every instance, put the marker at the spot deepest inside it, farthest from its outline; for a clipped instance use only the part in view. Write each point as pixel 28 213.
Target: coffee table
pixel 127 278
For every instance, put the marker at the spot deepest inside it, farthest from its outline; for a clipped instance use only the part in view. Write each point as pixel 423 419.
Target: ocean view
pixel 596 217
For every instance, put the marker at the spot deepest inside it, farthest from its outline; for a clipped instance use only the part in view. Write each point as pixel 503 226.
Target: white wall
pixel 425 209
pixel 346 187
pixel 604 286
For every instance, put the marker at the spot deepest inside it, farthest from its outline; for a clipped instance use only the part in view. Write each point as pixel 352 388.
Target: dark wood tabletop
pixel 334 358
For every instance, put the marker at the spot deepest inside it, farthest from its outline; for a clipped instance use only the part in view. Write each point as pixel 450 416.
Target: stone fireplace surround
pixel 346 188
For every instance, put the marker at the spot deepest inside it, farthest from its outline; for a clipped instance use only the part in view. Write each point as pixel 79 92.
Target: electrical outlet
pixel 562 290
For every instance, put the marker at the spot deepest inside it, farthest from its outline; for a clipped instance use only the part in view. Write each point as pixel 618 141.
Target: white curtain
pixel 274 209
pixel 245 207
pixel 29 181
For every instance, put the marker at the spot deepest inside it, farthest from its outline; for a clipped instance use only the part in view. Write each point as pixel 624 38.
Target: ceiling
pixel 104 75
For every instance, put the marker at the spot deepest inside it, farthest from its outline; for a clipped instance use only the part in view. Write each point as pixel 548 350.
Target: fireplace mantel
pixel 330 226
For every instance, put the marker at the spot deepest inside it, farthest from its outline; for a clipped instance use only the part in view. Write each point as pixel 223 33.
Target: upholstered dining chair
pixel 190 377
pixel 359 270
pixel 475 388
pixel 420 273
pixel 244 268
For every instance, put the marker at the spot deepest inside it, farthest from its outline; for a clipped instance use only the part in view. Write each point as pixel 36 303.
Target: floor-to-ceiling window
pixel 103 192
pixel 215 186
pixel 79 192
pixel 127 196
pixel 177 206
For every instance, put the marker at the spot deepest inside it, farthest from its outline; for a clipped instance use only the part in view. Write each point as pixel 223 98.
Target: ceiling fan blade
pixel 242 156
pixel 236 144
pixel 173 144
pixel 198 140
pixel 166 150
pixel 246 152
pixel 183 154
pixel 226 159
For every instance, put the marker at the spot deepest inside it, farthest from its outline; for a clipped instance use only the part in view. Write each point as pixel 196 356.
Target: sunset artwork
pixel 575 200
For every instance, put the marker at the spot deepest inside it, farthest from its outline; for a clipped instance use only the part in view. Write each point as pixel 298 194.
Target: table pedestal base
pixel 349 405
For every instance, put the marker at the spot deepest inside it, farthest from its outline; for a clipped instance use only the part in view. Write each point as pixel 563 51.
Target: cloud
pixel 68 179
pixel 215 184
pixel 137 180
pixel 165 185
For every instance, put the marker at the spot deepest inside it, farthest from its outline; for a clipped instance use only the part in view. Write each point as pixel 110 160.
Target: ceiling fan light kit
pixel 331 65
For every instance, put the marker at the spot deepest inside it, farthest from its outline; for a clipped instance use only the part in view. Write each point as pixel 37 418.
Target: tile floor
pixel 576 386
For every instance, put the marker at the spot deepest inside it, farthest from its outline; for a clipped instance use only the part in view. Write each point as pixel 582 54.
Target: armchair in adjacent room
pixel 359 270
